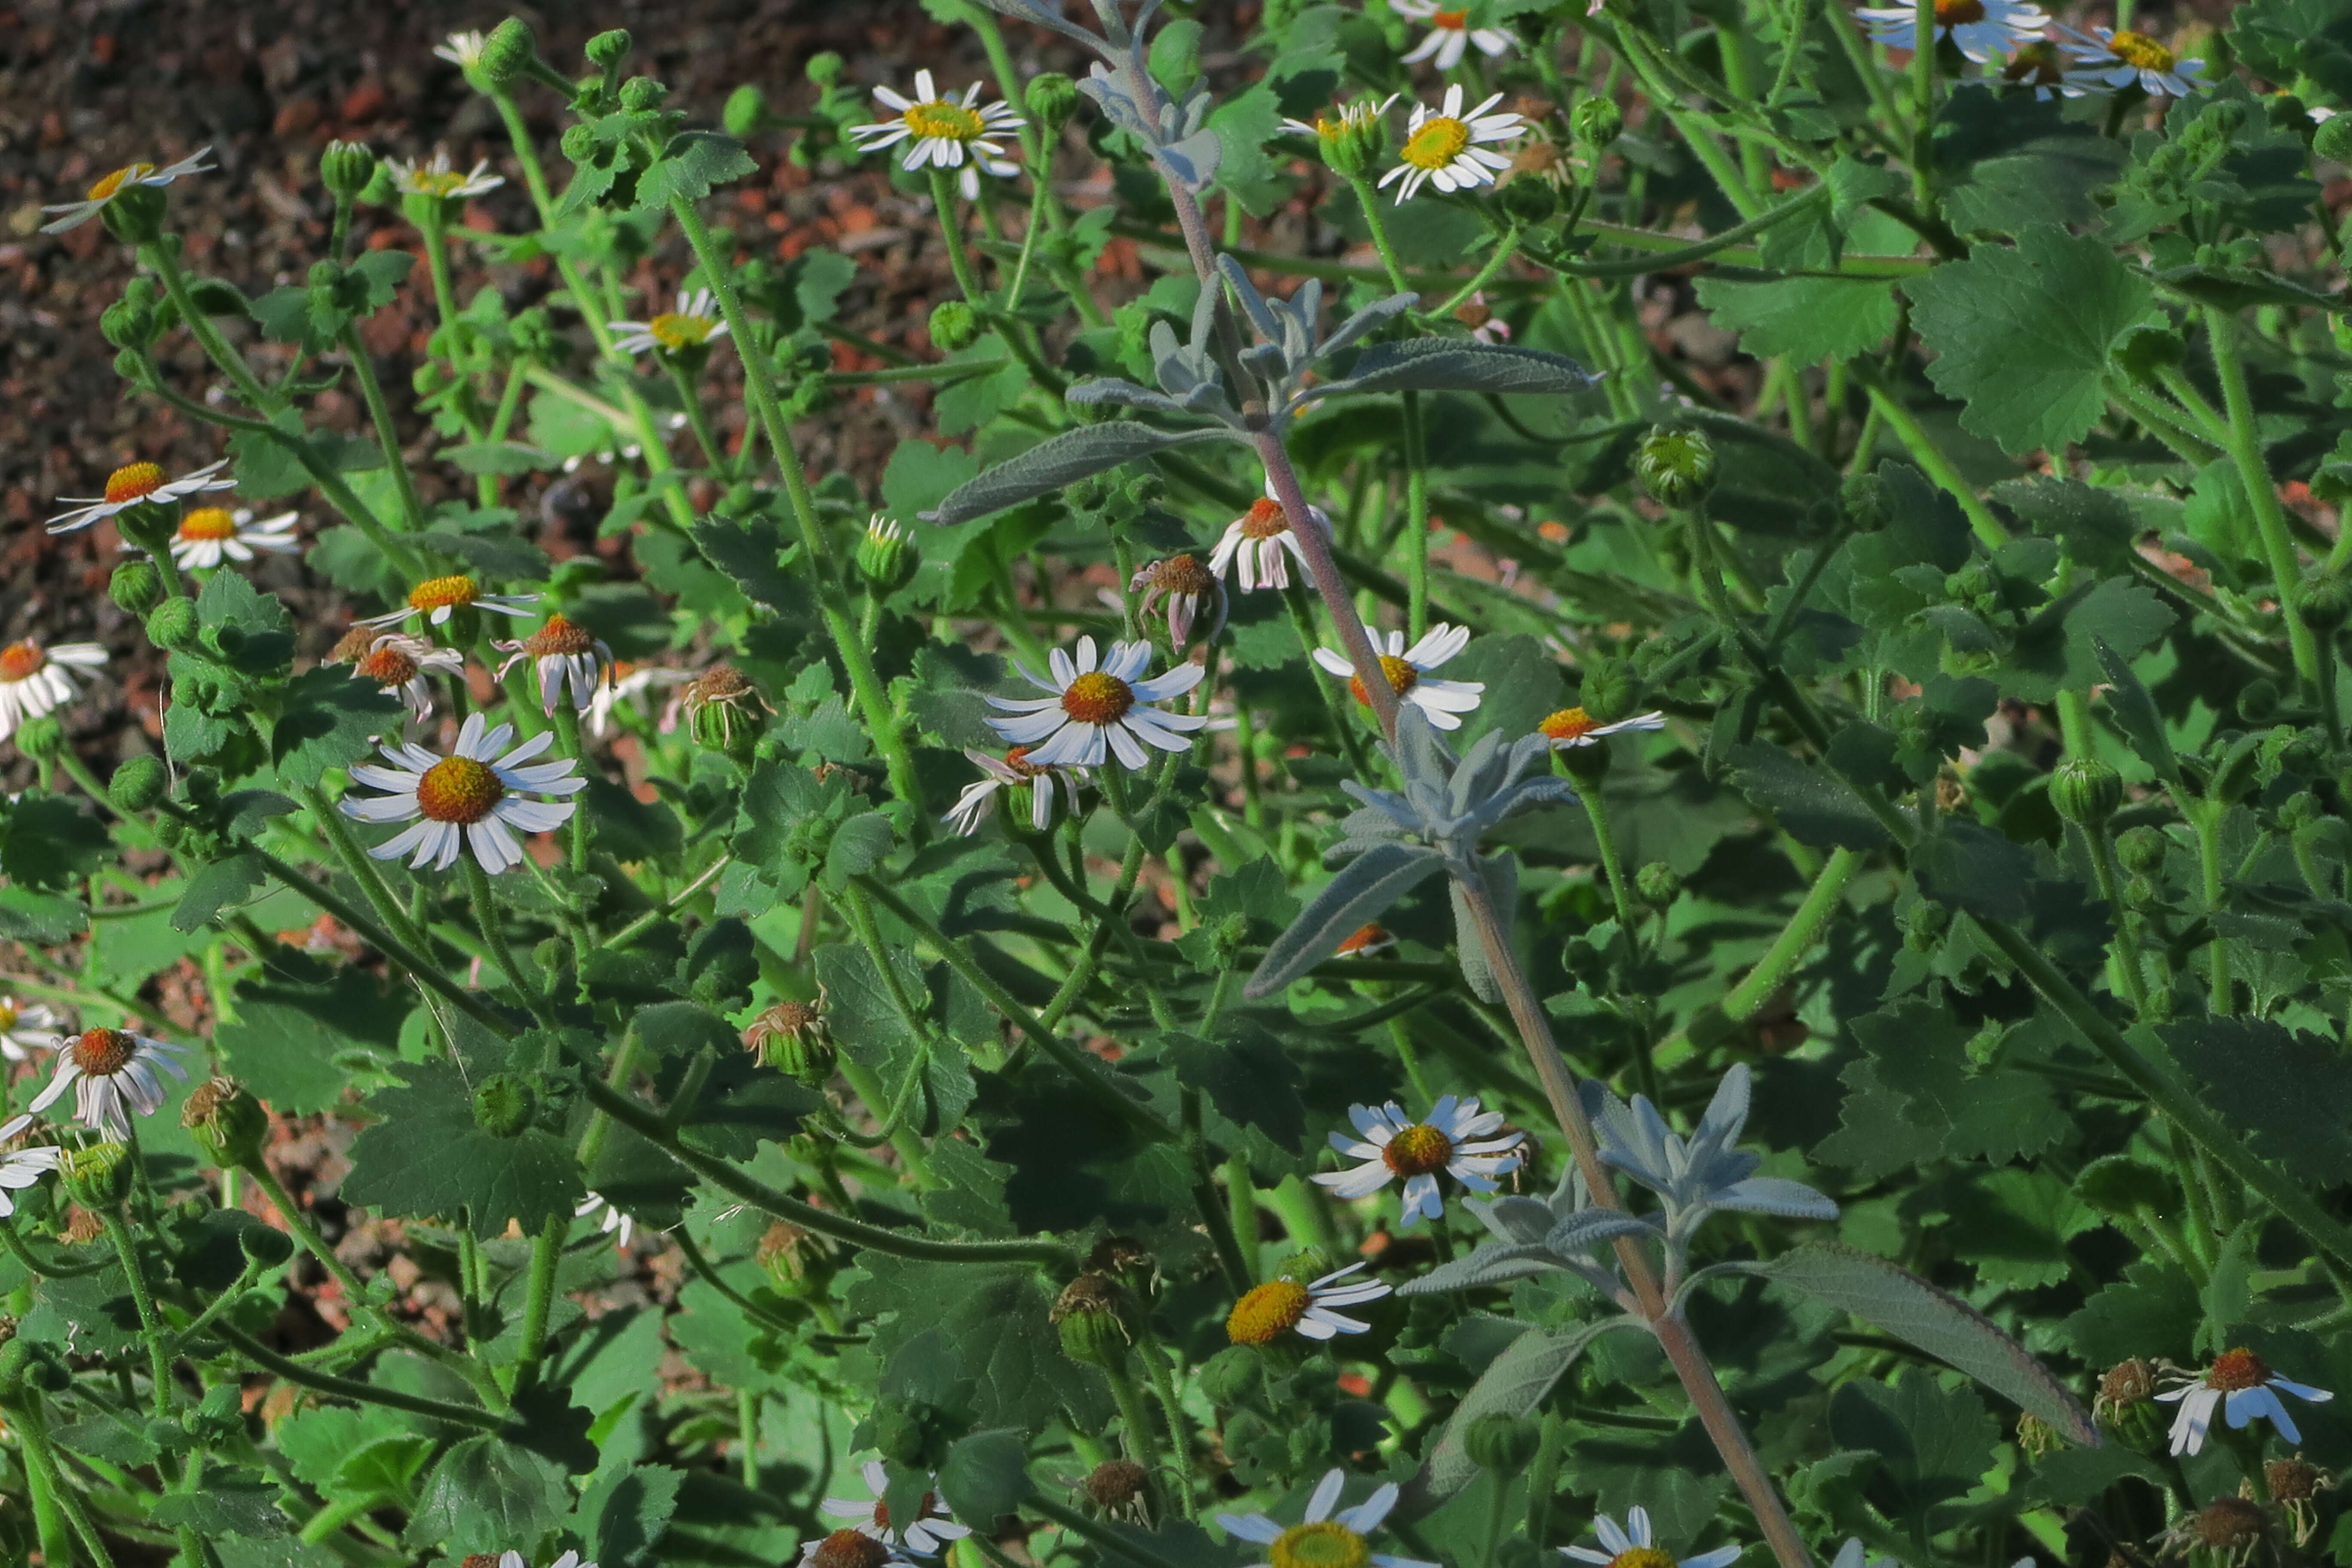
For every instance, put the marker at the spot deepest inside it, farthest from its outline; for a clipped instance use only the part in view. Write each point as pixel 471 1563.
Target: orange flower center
pixel 103 1053
pixel 1958 13
pixel 1267 1311
pixel 944 120
pixel 1096 698
pixel 1017 758
pixel 459 790
pixel 1451 21
pixel 1417 1151
pixel 21 661
pixel 1183 575
pixel 677 330
pixel 1569 724
pixel 1642 1557
pixel 209 523
pixel 133 481
pixel 1402 678
pixel 2140 50
pixel 104 190
pixel 386 666
pixel 848 1549
pixel 1364 937
pixel 559 635
pixel 2236 1369
pixel 1438 142
pixel 443 592
pixel 1264 519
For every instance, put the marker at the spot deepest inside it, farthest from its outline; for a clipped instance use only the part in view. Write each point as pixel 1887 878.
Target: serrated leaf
pixel 986 1476
pixel 302 1028
pixel 1808 319
pixel 224 1507
pixel 1893 1299
pixel 856 846
pixel 486 1488
pixel 1453 364
pixel 2133 711
pixel 223 884
pixel 51 841
pixel 1365 887
pixel 1974 869
pixel 427 1157
pixel 691 165
pixel 2289 1089
pixel 2096 526
pixel 329 721
pixel 1058 461
pixel 1813 806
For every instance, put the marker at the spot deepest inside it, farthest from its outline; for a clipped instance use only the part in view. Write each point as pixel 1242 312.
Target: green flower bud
pixel 1866 501
pixel 723 711
pixel 885 557
pixel 135 216
pixel 642 94
pixel 1051 100
pixel 509 52
pixel 607 49
pixel 1676 467
pixel 1607 693
pixel 97 1176
pixel 1091 1318
pixel 1924 925
pixel 578 143
pixel 2142 893
pixel 42 738
pixel 128 324
pixel 2087 790
pixel 2333 140
pixel 746 110
pixel 1231 1376
pixel 136 587
pixel 504 1105
pixel 1658 883
pixel 2142 849
pixel 265 1244
pixel 2257 699
pixel 1595 122
pixel 345 168
pixel 955 326
pixel 1527 202
pixel 171 624
pixel 138 786
pixel 823 68
pixel 227 1123
pixel 1501 1442
pixel 2327 599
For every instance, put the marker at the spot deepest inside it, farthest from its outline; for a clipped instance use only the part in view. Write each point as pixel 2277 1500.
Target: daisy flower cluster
pixel 2020 44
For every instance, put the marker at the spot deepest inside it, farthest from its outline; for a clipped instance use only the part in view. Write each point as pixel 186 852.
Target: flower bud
pixel 1051 100
pixel 823 68
pixel 1866 501
pixel 1089 1317
pixel 265 1244
pixel 955 326
pixel 2333 140
pixel 97 1175
pixel 607 49
pixel 136 587
pixel 2326 600
pixel 1607 692
pixel 1676 467
pixel 504 1105
pixel 2085 790
pixel 1658 883
pixel 1231 1376
pixel 345 168
pixel 792 1038
pixel 746 110
pixel 171 624
pixel 578 141
pixel 1595 122
pixel 1529 202
pixel 1501 1442
pixel 139 784
pixel 509 52
pixel 2142 849
pixel 128 324
pixel 885 557
pixel 227 1123
pixel 642 94
pixel 42 738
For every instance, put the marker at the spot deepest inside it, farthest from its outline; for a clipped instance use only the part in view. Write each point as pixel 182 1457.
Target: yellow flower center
pixel 443 592
pixel 386 666
pixel 436 182
pixel 1569 724
pixel 1265 1311
pixel 104 190
pixel 1402 678
pixel 1642 1557
pixel 561 635
pixel 209 523
pixel 21 661
pixel 676 330
pixel 459 790
pixel 103 1053
pixel 1264 519
pixel 1958 13
pixel 1096 698
pixel 134 481
pixel 2236 1369
pixel 1438 142
pixel 8 1015
pixel 1417 1151
pixel 944 121
pixel 2140 51
pixel 1321 1544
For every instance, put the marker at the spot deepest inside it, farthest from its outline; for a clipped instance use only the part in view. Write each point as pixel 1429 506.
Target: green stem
pixel 1141 1443
pixel 294 1371
pixel 33 1432
pixel 943 200
pixel 15 1247
pixel 2126 954
pixel 142 1297
pixel 1931 457
pixel 2206 820
pixel 362 868
pixel 539 1299
pixel 161 257
pixel 697 418
pixel 1596 807
pixel 1367 201
pixel 415 967
pixel 567 736
pixel 1504 249
pixel 1416 520
pixel 1795 939
pixel 485 916
pixel 2262 492
pixel 1122 1544
pixel 387 433
pixel 1179 1430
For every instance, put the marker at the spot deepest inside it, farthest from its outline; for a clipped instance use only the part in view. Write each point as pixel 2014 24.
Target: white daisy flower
pixel 1632 1547
pixel 694 324
pixel 1323 1537
pixel 1450 34
pixel 963 133
pixel 73 215
pixel 2242 1387
pixel 1445 147
pixel 1454 1140
pixel 26 1027
pixel 112 1074
pixel 1358 118
pixel 1285 1306
pixel 21 1168
pixel 415 177
pixel 399 664
pixel 1098 711
pixel 132 484
pixel 2119 59
pixel 1011 771
pixel 439 598
pixel 471 799
pixel 566 655
pixel 1183 582
pixel 628 683
pixel 1981 29
pixel 932 1528
pixel 614 1220
pixel 1573 727
pixel 1258 541
pixel 463 49
pixel 1408 670
pixel 35 681
pixel 209 536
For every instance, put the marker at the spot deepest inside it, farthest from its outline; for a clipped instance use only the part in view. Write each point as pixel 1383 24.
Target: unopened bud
pixel 1866 501
pixel 504 1105
pixel 885 557
pixel 642 94
pixel 1676 467
pixel 42 738
pixel 2327 599
pixel 136 587
pixel 171 624
pixel 227 1123
pixel 608 49
pixel 138 784
pixel 1501 1442
pixel 746 110
pixel 345 168
pixel 128 324
pixel 1606 694
pixel 1529 202
pixel 2142 849
pixel 509 52
pixel 1051 100
pixel 1658 883
pixel 824 67
pixel 1595 122
pixel 97 1175
pixel 955 326
pixel 2085 790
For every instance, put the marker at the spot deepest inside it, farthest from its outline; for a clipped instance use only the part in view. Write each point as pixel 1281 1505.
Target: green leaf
pixel 1946 1327
pixel 1456 364
pixel 1514 1384
pixel 427 1157
pixel 303 1028
pixel 751 551
pixel 2096 527
pixel 2288 1089
pixel 222 1506
pixel 1060 461
pixel 223 884
pixel 330 720
pixel 870 1029
pixel 691 165
pixel 2153 1310
pixel 1973 868
pixel 487 1489
pixel 1935 1443
pixel 1807 319
pixel 2021 336
pixel 856 846
pixel 1815 806
pixel 1247 1076
pixel 988 1324
pixel 625 1512
pixel 1362 890
pixel 986 1475
pixel 1921 1054
pixel 51 841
